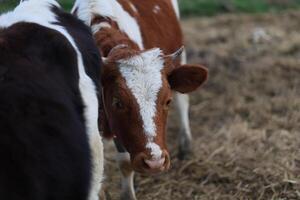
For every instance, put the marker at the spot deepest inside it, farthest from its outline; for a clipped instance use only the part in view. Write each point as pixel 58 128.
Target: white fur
pixel 86 9
pixel 133 7
pixel 39 12
pixel 143 77
pixel 29 11
pixel 97 27
pixel 183 57
pixel 156 9
pixel 176 7
pixel 156 151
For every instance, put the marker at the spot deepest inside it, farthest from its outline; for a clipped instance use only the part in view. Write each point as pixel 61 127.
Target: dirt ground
pixel 245 120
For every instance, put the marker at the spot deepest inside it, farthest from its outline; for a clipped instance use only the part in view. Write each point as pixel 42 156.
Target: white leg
pixel 98 162
pixel 127 172
pixel 185 137
pixel 182 104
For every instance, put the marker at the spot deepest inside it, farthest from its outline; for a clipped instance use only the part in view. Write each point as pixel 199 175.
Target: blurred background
pixel 205 7
pixel 246 119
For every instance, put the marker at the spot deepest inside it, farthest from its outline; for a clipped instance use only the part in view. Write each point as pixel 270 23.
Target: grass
pixel 245 119
pixel 213 7
pixel 7 5
pixel 203 7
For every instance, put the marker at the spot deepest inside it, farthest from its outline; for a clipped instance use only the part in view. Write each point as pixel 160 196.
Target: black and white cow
pixel 49 142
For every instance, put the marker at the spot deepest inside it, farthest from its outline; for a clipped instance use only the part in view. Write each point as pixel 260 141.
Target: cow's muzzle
pixel 144 163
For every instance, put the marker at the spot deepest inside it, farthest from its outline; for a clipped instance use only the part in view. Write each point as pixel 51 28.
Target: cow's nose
pixel 155 163
pixel 146 164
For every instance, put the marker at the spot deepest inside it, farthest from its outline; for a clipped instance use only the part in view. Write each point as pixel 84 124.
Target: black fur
pixel 44 147
pixel 84 38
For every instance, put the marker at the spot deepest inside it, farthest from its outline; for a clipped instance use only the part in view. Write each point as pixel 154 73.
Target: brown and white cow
pixel 138 40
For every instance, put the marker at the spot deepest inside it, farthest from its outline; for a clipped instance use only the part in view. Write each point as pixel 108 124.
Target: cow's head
pixel 136 96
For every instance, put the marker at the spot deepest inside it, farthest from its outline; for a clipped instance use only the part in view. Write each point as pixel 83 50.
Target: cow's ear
pixel 187 78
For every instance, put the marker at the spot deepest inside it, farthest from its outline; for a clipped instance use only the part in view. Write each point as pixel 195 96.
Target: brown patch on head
pixel 164 99
pixel 123 112
pixel 110 37
pixel 119 53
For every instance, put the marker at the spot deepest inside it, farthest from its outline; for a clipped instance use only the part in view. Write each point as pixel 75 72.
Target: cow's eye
pixel 116 102
pixel 169 102
pixel 167 105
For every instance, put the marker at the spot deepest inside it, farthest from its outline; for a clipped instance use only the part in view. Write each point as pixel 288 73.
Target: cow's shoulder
pixel 41 47
pixel 83 38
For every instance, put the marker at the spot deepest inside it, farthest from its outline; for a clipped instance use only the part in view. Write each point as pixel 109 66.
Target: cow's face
pixel 137 92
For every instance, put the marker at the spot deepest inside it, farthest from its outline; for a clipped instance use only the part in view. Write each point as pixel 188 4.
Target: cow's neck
pixel 108 36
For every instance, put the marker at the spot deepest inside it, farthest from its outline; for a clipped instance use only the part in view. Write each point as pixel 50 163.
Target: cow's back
pixel 44 139
pixel 43 142
pixel 158 23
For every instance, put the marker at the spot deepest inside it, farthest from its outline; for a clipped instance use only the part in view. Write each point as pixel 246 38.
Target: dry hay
pixel 245 121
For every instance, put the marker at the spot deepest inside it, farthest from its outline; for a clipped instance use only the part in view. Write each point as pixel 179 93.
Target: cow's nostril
pixel 147 164
pixel 155 164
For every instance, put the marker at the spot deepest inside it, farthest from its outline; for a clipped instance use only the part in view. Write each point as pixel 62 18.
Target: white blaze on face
pixel 142 74
pixel 155 150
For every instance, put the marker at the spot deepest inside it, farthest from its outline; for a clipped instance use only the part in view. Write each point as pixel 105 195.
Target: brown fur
pixel 158 30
